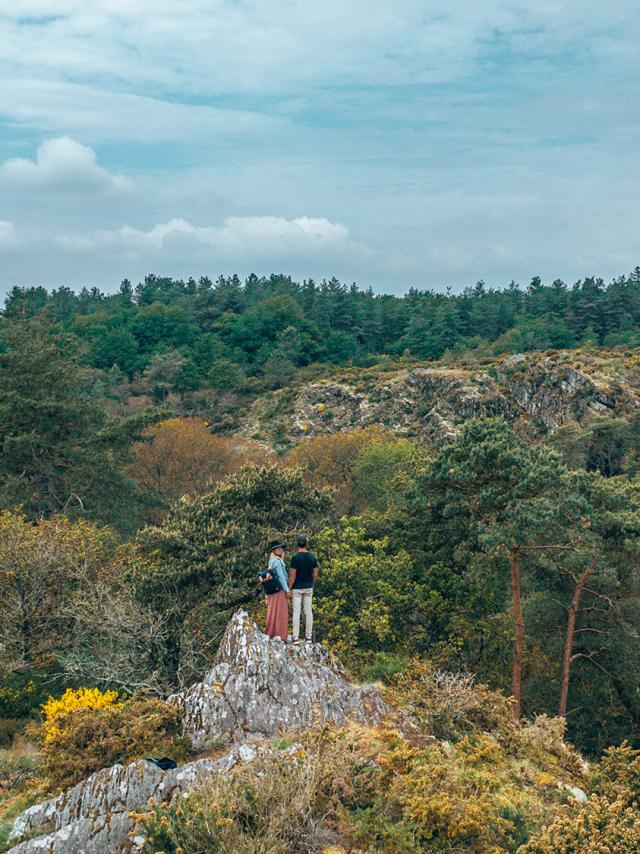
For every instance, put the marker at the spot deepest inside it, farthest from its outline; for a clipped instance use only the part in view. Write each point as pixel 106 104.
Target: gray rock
pixel 257 688
pixel 263 687
pixel 575 792
pixel 94 816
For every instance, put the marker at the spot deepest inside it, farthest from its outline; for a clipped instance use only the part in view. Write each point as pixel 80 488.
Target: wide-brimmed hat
pixel 276 544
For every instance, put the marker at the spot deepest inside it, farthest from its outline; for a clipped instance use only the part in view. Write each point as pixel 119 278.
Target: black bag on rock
pixel 164 763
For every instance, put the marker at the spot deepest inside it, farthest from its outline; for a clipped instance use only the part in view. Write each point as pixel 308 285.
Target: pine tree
pixel 59 451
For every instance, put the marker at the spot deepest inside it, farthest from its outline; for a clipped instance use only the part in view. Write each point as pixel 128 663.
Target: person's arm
pixel 282 575
pixel 316 569
pixel 292 575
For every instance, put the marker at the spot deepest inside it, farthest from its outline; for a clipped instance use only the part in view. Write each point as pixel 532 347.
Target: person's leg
pixel 308 614
pixel 282 615
pixel 271 627
pixel 297 602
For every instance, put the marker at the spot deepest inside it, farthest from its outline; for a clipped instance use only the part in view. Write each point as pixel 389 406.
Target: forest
pixel 182 336
pixel 133 520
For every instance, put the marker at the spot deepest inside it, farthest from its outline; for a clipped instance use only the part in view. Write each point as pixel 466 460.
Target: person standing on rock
pixel 303 573
pixel 275 581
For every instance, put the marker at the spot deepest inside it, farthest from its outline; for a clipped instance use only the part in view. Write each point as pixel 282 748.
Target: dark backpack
pixel 272 585
pixel 162 762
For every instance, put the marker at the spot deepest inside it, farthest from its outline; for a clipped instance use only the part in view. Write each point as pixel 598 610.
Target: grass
pixel 20 784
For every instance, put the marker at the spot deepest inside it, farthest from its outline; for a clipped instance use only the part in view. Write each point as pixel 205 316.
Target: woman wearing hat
pixel 277 602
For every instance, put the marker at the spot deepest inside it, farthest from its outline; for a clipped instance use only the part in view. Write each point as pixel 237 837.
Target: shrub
pixel 289 801
pixel 384 667
pixel 80 740
pixel 617 775
pixel 20 695
pixel 82 698
pixel 360 789
pixel 18 765
pixel 366 595
pixel 9 728
pixel 601 827
pixel 451 705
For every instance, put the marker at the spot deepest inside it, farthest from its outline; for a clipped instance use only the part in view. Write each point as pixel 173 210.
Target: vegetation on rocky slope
pixel 475 515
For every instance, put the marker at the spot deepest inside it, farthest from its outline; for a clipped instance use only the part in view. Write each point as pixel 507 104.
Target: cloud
pixel 62 164
pixel 477 140
pixel 104 115
pixel 253 240
pixel 211 47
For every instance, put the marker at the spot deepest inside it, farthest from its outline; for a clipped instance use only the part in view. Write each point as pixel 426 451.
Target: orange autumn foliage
pixel 183 457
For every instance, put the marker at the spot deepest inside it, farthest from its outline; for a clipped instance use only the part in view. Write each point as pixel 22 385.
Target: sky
pixel 391 143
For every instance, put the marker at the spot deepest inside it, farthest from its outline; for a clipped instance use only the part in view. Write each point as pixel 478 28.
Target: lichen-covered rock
pixel 95 815
pixel 262 687
pixel 258 687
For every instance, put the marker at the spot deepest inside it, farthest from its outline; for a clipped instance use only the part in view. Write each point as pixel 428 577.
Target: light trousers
pixel 300 597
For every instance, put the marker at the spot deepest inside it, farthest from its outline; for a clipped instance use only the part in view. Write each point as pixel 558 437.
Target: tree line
pixel 184 335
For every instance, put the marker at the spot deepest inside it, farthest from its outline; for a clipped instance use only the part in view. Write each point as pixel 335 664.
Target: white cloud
pixel 98 114
pixel 210 47
pixel 62 164
pixel 478 139
pixel 252 240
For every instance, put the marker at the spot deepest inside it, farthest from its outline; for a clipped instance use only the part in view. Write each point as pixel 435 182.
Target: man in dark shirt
pixel 303 572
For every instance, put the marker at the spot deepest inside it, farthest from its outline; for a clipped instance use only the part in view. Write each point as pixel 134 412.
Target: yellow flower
pixel 82 698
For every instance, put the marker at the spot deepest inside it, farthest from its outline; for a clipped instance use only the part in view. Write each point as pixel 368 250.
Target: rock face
pixel 94 816
pixel 257 688
pixel 537 393
pixel 261 687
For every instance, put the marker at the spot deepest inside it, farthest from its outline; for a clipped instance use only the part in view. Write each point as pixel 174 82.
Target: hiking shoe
pixel 295 642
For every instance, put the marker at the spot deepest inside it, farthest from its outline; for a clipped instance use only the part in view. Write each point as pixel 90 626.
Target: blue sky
pixel 394 144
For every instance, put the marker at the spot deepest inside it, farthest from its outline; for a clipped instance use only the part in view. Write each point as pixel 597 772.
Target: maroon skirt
pixel 278 615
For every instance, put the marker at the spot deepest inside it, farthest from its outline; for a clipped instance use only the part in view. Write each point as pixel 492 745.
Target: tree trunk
pixel 516 596
pixel 568 644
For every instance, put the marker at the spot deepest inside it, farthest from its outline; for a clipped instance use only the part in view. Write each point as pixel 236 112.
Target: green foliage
pixel 59 451
pixel 383 470
pixel 384 667
pixel 225 374
pixel 368 600
pixel 90 739
pixel 20 694
pixel 329 322
pixel 206 555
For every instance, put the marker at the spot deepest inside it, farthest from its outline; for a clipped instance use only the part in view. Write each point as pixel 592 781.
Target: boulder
pixel 261 687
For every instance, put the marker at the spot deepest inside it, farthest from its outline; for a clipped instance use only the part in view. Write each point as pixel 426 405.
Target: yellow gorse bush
pixel 81 698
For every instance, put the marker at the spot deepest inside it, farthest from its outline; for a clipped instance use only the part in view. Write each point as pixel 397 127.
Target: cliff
pixel 537 392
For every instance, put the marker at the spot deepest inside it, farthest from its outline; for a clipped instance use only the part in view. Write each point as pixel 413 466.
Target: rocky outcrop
pixel 257 688
pixel 95 816
pixel 536 393
pixel 261 687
